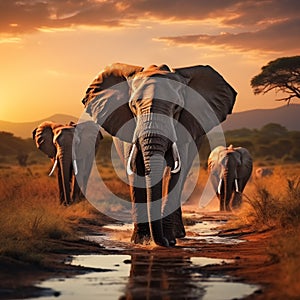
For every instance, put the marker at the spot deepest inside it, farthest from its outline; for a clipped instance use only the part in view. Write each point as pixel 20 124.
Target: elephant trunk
pixel 154 183
pixel 229 181
pixel 153 148
pixel 65 163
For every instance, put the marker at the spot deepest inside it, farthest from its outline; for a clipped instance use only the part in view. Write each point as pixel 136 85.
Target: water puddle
pixel 149 275
pixel 107 283
pixel 207 232
pixel 117 236
pixel 122 226
pixel 146 276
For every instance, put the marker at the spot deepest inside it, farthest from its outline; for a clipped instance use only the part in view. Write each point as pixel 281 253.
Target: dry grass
pixel 30 213
pixel 273 203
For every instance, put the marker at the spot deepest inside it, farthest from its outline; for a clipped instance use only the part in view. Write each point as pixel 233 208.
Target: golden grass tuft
pixel 31 215
pixel 272 203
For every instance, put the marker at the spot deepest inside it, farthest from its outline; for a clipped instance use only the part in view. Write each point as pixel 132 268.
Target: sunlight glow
pixel 10 40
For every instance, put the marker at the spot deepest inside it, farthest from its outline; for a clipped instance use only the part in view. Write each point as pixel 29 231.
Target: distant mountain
pixel 286 115
pixel 25 129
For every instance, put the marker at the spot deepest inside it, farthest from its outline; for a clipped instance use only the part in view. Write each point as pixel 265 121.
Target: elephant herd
pixel 157 117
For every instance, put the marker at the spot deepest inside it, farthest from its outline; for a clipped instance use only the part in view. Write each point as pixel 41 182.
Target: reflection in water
pixel 145 276
pixel 155 277
pixel 166 278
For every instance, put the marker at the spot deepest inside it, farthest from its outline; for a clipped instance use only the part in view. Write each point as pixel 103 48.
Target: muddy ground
pixel 250 261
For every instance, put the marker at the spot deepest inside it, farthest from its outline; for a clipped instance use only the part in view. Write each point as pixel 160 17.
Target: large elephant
pixel 158 118
pixel 72 149
pixel 230 169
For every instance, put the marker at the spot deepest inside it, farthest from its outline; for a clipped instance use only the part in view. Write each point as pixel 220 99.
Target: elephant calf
pixel 230 169
pixel 72 149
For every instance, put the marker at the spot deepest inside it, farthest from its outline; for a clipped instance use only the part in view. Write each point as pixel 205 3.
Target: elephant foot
pixel 172 243
pixel 178 226
pixel 137 238
pixel 179 230
pixel 170 236
pixel 163 242
pixel 180 233
pixel 141 234
pixel 228 208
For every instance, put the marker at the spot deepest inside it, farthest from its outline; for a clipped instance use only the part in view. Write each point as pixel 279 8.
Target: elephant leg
pixel 222 202
pixel 238 196
pixel 178 222
pixel 188 155
pixel 60 185
pixel 236 201
pixel 76 191
pixel 141 233
pixel 170 207
pixel 79 184
pixel 172 221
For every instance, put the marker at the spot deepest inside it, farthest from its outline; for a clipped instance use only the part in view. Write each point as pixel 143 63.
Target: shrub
pixel 270 209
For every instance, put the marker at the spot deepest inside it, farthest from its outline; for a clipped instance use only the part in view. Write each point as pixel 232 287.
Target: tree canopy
pixel 282 74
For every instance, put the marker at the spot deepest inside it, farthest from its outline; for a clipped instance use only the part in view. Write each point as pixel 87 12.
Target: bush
pixel 267 209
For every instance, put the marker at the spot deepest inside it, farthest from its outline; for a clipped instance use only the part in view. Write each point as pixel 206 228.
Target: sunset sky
pixel 51 49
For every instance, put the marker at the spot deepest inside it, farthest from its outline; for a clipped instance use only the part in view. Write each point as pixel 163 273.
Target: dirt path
pixel 161 269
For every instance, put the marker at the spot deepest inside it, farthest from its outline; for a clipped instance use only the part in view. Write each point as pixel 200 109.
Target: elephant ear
pixel 43 136
pixel 208 100
pixel 107 99
pixel 215 158
pixel 86 139
pixel 246 162
pixel 61 132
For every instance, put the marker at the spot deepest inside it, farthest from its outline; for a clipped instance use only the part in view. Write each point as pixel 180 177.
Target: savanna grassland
pixel 34 227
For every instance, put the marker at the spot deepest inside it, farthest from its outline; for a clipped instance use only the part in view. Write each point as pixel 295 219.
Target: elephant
pixel 263 172
pixel 230 169
pixel 72 149
pixel 158 117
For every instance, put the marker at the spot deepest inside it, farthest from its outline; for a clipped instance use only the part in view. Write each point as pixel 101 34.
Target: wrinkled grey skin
pixel 230 169
pixel 153 100
pixel 56 141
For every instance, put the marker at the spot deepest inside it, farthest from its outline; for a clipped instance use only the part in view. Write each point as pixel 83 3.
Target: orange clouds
pixel 278 37
pixel 268 25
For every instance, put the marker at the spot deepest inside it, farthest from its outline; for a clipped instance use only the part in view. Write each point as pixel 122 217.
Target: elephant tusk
pixel 236 185
pixel 128 168
pixel 53 168
pixel 75 167
pixel 177 160
pixel 219 186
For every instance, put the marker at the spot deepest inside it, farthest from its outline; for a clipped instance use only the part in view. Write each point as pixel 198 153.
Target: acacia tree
pixel 282 74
